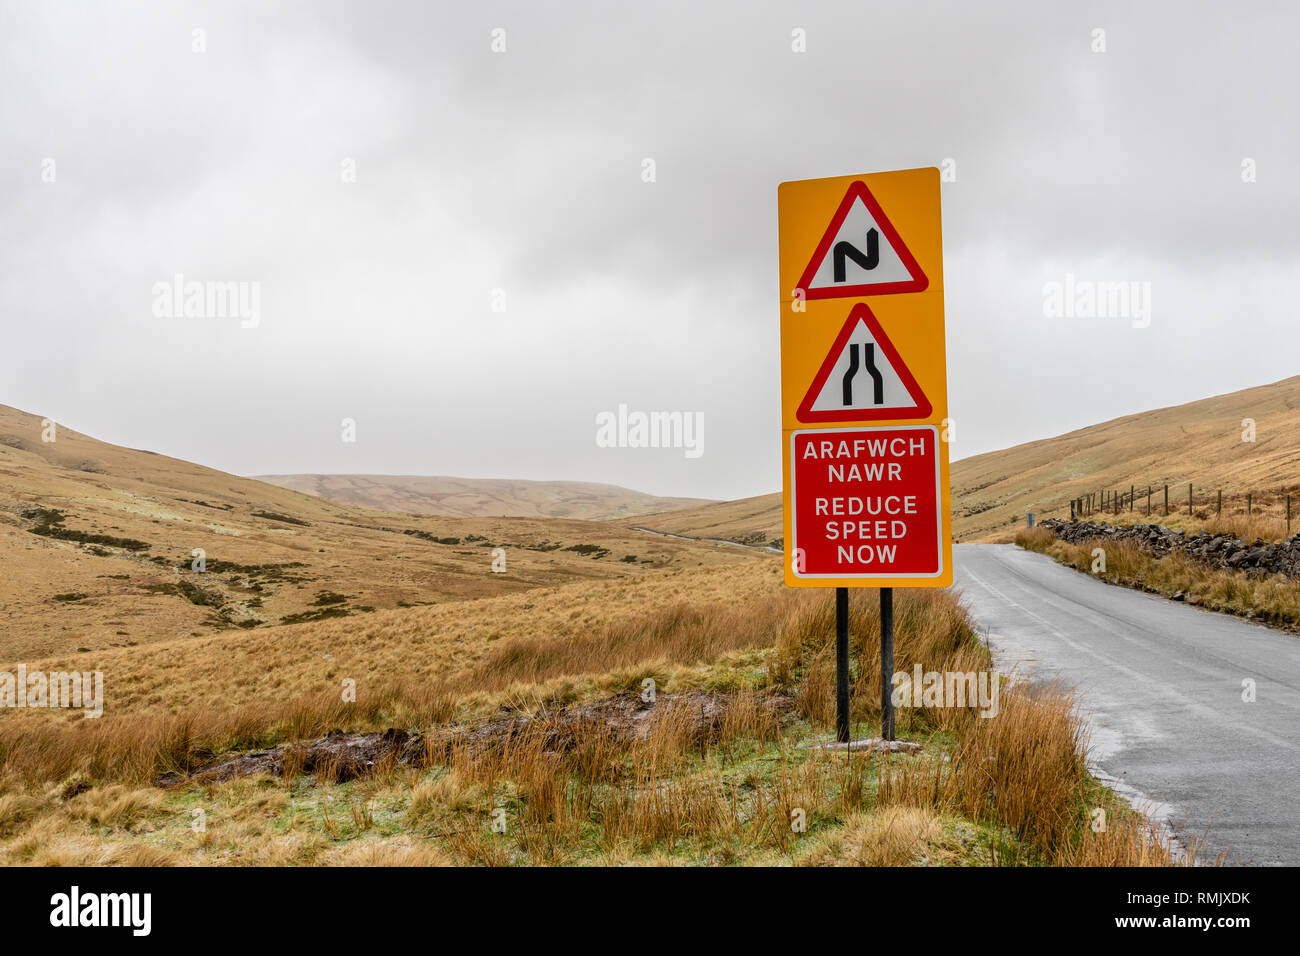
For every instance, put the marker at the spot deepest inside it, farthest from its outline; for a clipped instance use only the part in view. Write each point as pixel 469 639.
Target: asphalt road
pixel 1161 683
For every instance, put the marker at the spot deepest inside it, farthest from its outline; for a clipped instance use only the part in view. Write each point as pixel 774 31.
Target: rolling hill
pixel 752 521
pixel 481 497
pixel 1200 442
pixel 98 545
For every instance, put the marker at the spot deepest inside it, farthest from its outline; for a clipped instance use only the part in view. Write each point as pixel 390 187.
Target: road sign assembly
pixel 864 396
pixel 862 353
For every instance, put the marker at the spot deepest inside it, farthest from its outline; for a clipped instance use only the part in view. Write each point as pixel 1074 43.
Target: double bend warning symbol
pixel 861 253
pixel 863 378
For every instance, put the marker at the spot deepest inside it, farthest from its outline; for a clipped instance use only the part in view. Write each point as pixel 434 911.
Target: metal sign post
pixel 842 665
pixel 886 662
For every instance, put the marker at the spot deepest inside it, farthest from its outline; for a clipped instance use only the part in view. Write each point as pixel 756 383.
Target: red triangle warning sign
pixel 861 253
pixel 863 378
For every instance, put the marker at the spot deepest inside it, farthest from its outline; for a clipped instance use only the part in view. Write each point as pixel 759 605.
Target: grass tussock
pixel 896 836
pixel 1249 528
pixel 1036 538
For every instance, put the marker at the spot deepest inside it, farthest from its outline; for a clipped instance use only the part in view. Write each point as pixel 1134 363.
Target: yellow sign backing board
pixel 864 388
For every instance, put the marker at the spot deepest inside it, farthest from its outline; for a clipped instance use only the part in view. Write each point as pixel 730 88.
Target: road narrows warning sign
pixel 864 390
pixel 863 377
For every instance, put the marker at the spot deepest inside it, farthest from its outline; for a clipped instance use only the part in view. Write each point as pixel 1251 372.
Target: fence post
pixel 1189 499
pixel 1130 497
pixel 1148 501
pixel 1248 502
pixel 1166 499
pixel 1288 514
pixel 1218 511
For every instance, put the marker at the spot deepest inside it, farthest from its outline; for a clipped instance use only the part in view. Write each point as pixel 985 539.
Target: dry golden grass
pixel 930 629
pixel 235 669
pixel 374 851
pixel 165 707
pixel 116 806
pixel 1034 539
pixel 1025 769
pixel 680 634
pixel 895 836
pixel 1273 598
pixel 718 788
pixel 1252 527
pixel 142 854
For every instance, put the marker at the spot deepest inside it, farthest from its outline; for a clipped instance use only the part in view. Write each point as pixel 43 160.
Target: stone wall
pixel 1216 550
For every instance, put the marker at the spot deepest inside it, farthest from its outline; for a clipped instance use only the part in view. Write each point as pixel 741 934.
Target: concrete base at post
pixel 868 744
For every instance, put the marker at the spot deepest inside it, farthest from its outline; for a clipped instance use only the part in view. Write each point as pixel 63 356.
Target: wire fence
pixel 1155 499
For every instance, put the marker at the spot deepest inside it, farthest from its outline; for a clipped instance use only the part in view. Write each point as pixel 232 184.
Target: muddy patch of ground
pixel 623 719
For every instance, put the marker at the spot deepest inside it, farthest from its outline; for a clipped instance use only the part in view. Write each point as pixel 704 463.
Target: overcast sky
pixel 521 171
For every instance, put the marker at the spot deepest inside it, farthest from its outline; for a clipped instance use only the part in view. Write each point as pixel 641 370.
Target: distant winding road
pixel 1162 685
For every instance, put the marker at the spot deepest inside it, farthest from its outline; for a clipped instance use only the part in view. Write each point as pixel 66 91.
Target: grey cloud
pixel 522 171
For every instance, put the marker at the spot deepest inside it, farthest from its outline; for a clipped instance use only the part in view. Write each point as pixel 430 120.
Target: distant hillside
pixel 481 497
pixel 97 545
pixel 1200 442
pixel 752 521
